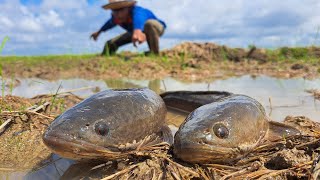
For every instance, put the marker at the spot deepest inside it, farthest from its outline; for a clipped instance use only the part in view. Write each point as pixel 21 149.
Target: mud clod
pixel 287 158
pixel 297 66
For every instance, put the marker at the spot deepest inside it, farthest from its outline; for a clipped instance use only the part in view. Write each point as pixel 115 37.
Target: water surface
pixel 280 97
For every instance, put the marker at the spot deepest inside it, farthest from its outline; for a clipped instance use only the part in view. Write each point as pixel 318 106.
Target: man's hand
pixel 138 36
pixel 95 35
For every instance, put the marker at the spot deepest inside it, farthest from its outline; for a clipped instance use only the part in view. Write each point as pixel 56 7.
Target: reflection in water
pixel 155 86
pixel 52 168
pixel 32 87
pixel 280 97
pixel 120 84
pixel 59 168
pixel 175 118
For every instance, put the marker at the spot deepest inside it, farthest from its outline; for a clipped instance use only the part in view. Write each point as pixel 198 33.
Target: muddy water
pixel 280 97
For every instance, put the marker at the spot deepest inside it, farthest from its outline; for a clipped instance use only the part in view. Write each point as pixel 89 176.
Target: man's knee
pixel 153 26
pixel 148 26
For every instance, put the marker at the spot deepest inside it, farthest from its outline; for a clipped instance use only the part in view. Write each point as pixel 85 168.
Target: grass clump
pixel 4 41
pixel 294 52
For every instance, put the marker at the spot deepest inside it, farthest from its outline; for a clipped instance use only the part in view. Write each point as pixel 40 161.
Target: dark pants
pixel 153 30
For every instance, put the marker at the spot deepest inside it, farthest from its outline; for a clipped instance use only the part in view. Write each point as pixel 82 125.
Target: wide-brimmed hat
pixel 118 4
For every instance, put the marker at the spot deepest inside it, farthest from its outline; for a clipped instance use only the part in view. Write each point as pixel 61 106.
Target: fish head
pixel 106 125
pixel 221 131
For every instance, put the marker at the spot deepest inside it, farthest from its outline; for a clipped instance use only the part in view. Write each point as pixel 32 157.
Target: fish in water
pixel 109 125
pixel 226 130
pixel 187 101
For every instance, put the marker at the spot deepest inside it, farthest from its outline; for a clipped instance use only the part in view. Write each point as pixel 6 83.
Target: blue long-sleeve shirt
pixel 139 17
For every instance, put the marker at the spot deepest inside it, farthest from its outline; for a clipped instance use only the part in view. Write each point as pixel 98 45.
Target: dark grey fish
pixel 226 130
pixel 188 101
pixel 109 125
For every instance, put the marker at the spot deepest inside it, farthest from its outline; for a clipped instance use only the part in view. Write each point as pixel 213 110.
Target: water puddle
pixel 280 97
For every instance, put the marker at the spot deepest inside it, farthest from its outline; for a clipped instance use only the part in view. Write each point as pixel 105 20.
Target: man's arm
pixel 108 25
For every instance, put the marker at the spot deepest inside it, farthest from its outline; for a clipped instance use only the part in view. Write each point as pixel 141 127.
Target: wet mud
pixel 21 143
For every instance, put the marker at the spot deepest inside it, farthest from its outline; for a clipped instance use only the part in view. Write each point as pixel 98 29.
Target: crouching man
pixel 140 23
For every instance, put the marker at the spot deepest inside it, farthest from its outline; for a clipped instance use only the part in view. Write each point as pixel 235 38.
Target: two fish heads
pixel 102 126
pixel 221 131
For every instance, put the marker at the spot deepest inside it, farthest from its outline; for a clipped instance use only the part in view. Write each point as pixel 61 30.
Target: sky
pixel 42 27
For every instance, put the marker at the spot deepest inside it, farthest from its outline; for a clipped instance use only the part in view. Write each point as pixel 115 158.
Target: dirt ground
pixel 21 140
pixel 187 61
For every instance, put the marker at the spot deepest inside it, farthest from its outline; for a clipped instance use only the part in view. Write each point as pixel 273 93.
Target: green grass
pixel 3 86
pixel 63 62
pixel 34 60
pixel 1 76
pixel 53 99
pixel 4 41
pixel 293 54
pixel 11 84
pixel 124 62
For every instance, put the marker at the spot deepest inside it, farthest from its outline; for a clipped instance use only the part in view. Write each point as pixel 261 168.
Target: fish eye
pixel 101 128
pixel 221 131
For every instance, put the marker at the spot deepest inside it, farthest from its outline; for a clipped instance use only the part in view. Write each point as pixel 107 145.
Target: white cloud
pixel 5 22
pixel 25 11
pixel 26 38
pixel 64 4
pixel 31 25
pixel 51 19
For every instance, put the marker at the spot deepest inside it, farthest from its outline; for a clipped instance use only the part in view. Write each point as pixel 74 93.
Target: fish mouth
pixel 79 150
pixel 204 153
